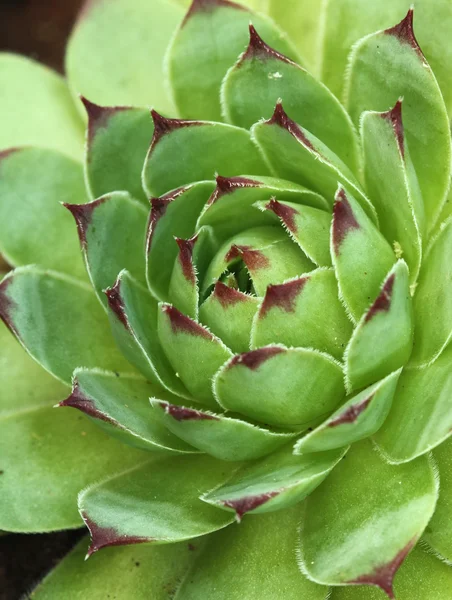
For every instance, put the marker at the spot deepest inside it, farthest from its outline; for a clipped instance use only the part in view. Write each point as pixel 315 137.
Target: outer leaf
pixel 39 108
pixel 36 305
pixel 421 415
pixel 273 483
pixel 108 38
pixel 106 227
pixel 119 404
pixel 345 540
pixel 383 339
pixel 143 504
pixel 281 386
pixel 34 228
pixel 390 64
pixel 273 76
pixel 197 62
pixel 118 139
pixel 184 152
pixel 222 437
pixel 361 255
pixel 361 416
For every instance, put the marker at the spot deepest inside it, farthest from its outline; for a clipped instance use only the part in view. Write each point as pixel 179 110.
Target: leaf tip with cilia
pixel 343 219
pixel 116 302
pixel 102 537
pixel 404 32
pixel 258 49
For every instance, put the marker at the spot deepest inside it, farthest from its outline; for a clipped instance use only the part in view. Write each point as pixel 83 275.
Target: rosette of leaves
pixel 257 326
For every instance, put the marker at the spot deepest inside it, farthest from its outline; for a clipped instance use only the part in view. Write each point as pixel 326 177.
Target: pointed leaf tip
pixel 186 257
pixel 226 185
pixel 283 296
pixel 253 259
pixel 248 503
pixel 98 116
pixel 383 301
pixel 281 119
pixel 404 32
pixel 343 219
pixel 102 537
pixel 181 413
pixel 82 214
pixel 257 48
pixel 158 209
pixel 254 359
pixel 164 125
pixel 183 324
pixel 228 296
pixel 115 302
pixel 78 400
pixel 285 213
pixel 394 116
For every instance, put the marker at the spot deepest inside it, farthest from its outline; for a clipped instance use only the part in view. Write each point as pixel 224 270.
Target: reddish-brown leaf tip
pixel 253 259
pixel 241 506
pixel 228 296
pixel 286 213
pixel 181 413
pixel 99 116
pixel 394 116
pixel 227 185
pixel 344 220
pixel 158 209
pixel 116 303
pixel 102 537
pixel 78 400
pixel 383 301
pixel 383 575
pixel 7 305
pixel 281 119
pixel 180 323
pixel 186 257
pixel 164 125
pixel 282 296
pixel 254 359
pixel 258 49
pixel 351 413
pixel 198 6
pixel 404 32
pixel 83 214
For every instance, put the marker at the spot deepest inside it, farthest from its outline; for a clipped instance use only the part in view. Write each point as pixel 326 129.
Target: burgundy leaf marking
pixel 99 116
pixel 283 296
pixel 116 303
pixel 162 126
pixel 287 214
pixel 158 209
pixel 209 6
pixel 257 48
pixel 280 118
pixel 383 302
pixel 351 413
pixel 228 296
pixel 83 214
pixel 254 359
pixel 181 413
pixel 383 576
pixel 253 259
pixel 7 306
pixel 394 116
pixel 343 220
pixel 77 399
pixel 404 32
pixel 186 258
pixel 102 537
pixel 8 152
pixel 182 324
pixel 227 185
pixel 248 503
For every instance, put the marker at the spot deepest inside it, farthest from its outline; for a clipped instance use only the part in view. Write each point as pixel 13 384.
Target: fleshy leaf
pixel 383 339
pixel 183 290
pixel 34 227
pixel 392 184
pixel 105 227
pixel 117 142
pixel 225 438
pixel 273 76
pixel 361 416
pixel 183 152
pixel 285 387
pixel 118 402
pixel 142 504
pixel 192 350
pixel 304 312
pixel 198 62
pixel 294 153
pixel 111 36
pixel 421 414
pixel 36 305
pixel 38 108
pixel 347 541
pixel 361 255
pixel 390 64
pixel 433 299
pixel 174 214
pixel 133 313
pixel 273 483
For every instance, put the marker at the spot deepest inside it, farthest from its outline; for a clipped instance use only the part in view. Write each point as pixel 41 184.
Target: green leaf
pixel 433 299
pixel 117 142
pixel 118 402
pixel 222 437
pixel 133 313
pixel 143 504
pixel 304 312
pixel 392 184
pixel 36 306
pixel 345 540
pixel 38 108
pixel 34 227
pixel 294 153
pixel 110 37
pixel 273 76
pixel 183 152
pixel 421 415
pixel 105 227
pixel 285 387
pixel 361 416
pixel 192 350
pixel 257 556
pixel 361 255
pixel 273 483
pixel 229 314
pixel 386 66
pixel 198 62
pixel 383 339
pixel 140 572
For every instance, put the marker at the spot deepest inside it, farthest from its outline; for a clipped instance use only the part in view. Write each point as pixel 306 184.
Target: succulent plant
pixel 261 354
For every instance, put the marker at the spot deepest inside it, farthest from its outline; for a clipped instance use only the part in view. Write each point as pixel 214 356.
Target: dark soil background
pixel 38 29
